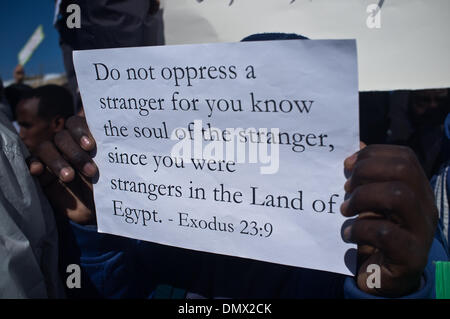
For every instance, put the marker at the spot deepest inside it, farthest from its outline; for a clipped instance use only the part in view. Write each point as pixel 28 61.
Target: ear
pixel 57 124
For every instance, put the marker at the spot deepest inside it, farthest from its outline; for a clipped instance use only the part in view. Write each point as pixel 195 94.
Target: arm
pixel 28 245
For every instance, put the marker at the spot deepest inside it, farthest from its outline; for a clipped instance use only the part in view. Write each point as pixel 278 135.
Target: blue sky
pixel 18 20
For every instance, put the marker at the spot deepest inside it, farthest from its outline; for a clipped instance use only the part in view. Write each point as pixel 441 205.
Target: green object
pixel 442 280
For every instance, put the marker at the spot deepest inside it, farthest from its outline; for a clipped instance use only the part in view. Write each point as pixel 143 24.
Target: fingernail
pixel 36 168
pixel 86 141
pixel 347 185
pixel 347 233
pixel 66 173
pixel 350 161
pixel 89 169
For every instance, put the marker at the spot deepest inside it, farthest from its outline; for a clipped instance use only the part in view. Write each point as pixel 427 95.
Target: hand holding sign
pixel 156 189
pixel 396 217
pixel 370 249
pixel 68 167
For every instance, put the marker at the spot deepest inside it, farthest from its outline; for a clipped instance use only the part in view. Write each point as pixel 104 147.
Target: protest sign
pixel 228 148
pixel 402 44
pixel 31 45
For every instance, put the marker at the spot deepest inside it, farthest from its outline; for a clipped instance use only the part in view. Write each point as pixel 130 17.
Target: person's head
pixel 19 74
pixel 273 36
pixel 429 106
pixel 14 93
pixel 42 112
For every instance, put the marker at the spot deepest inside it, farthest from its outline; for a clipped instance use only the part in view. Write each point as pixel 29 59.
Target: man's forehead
pixel 29 103
pixel 28 106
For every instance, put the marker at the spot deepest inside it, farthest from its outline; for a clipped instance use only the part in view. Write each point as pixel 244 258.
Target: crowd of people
pixel 47 211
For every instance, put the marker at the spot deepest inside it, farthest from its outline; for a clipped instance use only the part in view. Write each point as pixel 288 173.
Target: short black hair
pixel 54 100
pixel 273 36
pixel 14 93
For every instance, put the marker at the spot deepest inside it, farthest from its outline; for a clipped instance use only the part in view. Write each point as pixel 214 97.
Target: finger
pixel 389 151
pixel 77 127
pixel 351 160
pixel 48 154
pixel 362 145
pixel 81 189
pixel 47 178
pixel 75 154
pixel 394 200
pixel 365 252
pixel 396 243
pixel 382 169
pixel 69 199
pixel 382 151
pixel 35 166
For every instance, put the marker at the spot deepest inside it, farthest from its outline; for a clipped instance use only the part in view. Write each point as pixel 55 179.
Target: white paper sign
pixel 31 45
pixel 402 44
pixel 259 173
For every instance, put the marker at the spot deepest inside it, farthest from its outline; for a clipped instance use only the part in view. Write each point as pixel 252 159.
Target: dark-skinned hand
pixel 396 217
pixel 65 167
